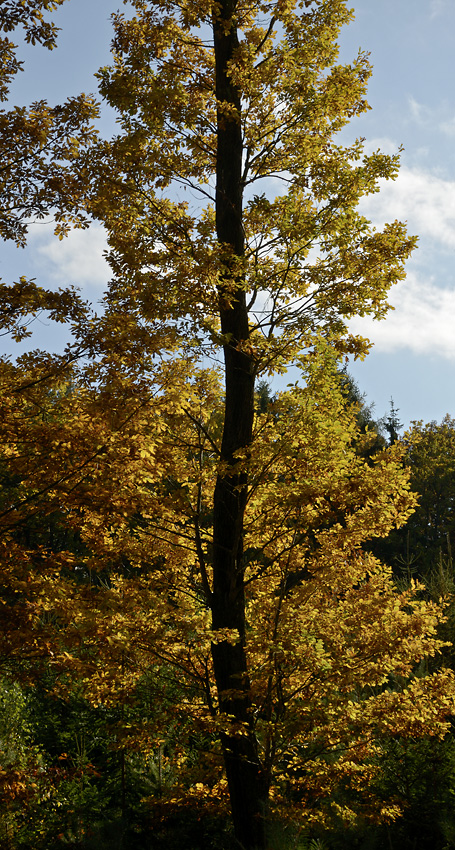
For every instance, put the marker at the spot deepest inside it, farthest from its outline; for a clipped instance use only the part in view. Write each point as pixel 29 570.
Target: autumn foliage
pixel 165 527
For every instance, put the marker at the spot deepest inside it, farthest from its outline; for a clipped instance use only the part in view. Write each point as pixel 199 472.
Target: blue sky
pixel 412 45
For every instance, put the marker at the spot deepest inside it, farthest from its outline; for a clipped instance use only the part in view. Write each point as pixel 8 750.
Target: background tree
pixel 423 546
pixel 392 423
pixel 366 423
pixel 431 457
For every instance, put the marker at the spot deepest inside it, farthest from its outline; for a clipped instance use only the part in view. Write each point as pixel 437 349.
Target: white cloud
pixel 425 201
pixel 78 259
pixel 439 116
pixel 419 112
pixel 422 321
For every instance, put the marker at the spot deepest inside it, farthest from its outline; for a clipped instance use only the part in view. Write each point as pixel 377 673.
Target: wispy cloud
pixel 419 111
pixel 438 7
pixel 437 116
pixel 448 127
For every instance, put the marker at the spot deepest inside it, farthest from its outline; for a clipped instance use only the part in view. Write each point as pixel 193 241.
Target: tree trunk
pixel 247 788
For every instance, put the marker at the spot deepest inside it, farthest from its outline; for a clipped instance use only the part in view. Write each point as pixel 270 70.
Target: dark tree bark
pixel 247 787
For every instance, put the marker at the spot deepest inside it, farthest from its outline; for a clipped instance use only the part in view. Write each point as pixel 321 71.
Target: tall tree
pixel 223 101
